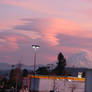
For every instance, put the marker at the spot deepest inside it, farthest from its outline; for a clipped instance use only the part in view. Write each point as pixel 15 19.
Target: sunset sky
pixel 55 25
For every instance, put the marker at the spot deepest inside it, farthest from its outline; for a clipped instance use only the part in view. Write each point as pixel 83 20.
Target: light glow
pixel 35 46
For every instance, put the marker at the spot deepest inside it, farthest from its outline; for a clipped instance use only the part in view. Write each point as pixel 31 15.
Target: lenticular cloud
pixel 81 59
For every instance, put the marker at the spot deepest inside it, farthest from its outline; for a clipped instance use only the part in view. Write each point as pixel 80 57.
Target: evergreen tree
pixel 11 74
pixel 59 70
pixel 25 73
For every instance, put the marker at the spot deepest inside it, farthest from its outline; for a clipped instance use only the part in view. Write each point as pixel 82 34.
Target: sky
pixel 56 25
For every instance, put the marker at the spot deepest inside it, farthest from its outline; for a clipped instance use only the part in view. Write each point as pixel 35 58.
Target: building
pixel 53 84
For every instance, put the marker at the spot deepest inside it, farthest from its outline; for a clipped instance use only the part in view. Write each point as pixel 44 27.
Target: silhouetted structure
pixel 60 68
pixel 25 73
pixel 42 70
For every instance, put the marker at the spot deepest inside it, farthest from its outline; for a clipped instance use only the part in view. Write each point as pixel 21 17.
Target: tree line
pixel 58 70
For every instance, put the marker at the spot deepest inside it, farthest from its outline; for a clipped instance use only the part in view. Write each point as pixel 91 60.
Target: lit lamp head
pixel 35 46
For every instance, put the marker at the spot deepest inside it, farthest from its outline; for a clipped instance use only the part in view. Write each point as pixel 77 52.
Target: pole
pixel 35 47
pixel 34 69
pixel 16 85
pixel 54 85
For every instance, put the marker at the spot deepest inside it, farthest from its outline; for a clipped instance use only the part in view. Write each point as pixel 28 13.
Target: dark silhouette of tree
pixel 11 74
pixel 15 78
pixel 42 70
pixel 3 84
pixel 60 68
pixel 25 73
pixel 84 75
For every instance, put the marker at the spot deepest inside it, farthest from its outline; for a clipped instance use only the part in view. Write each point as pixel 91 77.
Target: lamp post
pixel 35 48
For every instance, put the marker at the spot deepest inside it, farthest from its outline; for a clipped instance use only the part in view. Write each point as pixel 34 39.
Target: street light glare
pixel 35 46
pixel 70 80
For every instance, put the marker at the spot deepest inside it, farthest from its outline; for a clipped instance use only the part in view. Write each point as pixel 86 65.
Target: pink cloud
pixel 52 58
pixel 10 43
pixel 88 0
pixel 48 29
pixel 60 26
pixel 46 58
pixel 70 22
pixel 8 23
pixel 88 13
pixel 53 27
pixel 32 5
pixel 30 34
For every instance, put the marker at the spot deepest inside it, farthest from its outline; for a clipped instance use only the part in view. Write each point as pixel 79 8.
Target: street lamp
pixel 35 48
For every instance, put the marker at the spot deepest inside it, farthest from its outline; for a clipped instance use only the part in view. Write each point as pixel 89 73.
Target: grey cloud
pixel 33 24
pixel 72 41
pixel 28 25
pixel 38 25
pixel 8 33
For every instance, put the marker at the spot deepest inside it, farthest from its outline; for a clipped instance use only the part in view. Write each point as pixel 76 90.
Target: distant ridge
pixel 6 66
